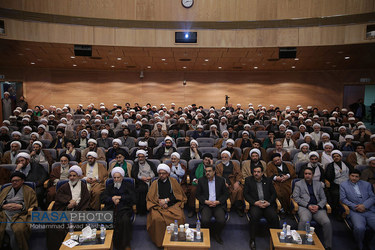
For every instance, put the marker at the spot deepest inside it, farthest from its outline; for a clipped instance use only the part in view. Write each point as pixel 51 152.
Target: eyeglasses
pixel 16 180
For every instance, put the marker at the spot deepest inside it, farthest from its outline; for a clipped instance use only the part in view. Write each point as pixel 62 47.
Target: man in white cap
pixel 92 147
pixel 40 155
pixel 165 203
pixel 74 194
pixel 303 155
pixel 358 157
pixel 34 172
pixel 235 153
pixel 158 131
pixel 337 172
pixel 8 105
pixel 317 133
pixel 362 134
pixel 178 170
pixel 192 152
pixel 103 141
pixel 288 142
pixel 348 144
pixel 95 175
pixel 9 157
pixel 164 152
pixel 138 131
pixel 255 161
pixel 245 141
pixel 326 156
pixel 199 133
pixel 316 166
pixel 368 174
pixel 143 171
pixel 119 196
pixel 231 172
pixel 323 140
pixel 120 161
pixel 43 134
pixel 116 147
pixel 220 143
pixel 16 136
pixel 16 199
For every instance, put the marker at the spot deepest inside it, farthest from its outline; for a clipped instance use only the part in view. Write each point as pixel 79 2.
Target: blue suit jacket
pixel 349 197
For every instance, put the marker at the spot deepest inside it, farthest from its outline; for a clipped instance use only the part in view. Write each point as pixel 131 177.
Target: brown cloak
pixel 236 176
pixel 158 218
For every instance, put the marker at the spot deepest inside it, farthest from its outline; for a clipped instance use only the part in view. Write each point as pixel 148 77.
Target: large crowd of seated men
pixel 204 160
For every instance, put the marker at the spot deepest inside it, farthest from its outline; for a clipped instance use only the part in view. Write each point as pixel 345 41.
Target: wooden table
pixel 171 245
pixel 106 246
pixel 277 245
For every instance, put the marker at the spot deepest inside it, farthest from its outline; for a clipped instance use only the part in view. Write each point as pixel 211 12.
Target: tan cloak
pixel 158 218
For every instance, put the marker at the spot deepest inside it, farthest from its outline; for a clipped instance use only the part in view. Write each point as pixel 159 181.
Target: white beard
pixel 73 182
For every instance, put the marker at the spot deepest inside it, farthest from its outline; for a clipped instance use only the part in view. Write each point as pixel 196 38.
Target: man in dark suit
pixel 261 194
pixel 212 195
pixel 309 194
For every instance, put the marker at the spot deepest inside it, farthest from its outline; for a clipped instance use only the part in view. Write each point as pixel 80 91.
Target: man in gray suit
pixel 360 199
pixel 309 195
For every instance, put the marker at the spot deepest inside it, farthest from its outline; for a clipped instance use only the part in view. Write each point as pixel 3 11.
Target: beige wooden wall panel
pixel 77 34
pixel 202 10
pixel 58 87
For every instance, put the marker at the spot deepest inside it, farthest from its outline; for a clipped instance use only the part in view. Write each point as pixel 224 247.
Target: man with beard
pixel 111 153
pixel 370 146
pixel 58 173
pixel 142 145
pixel 165 201
pixel 326 155
pixel 248 166
pixel 301 133
pixel 261 195
pixel 16 136
pixel 164 152
pixel 368 174
pixel 143 171
pixel 71 196
pixel 119 196
pixel 126 139
pixel 279 150
pixel 235 155
pixel 139 131
pixel 122 163
pixel 287 142
pixel 192 152
pixel 358 157
pixel 221 143
pixel 92 147
pixel 43 135
pixel 178 170
pixel 256 144
pixel 95 175
pixel 59 141
pixel 232 174
pixel 303 155
pixel 245 141
pixel 15 201
pixel 282 175
pixel 337 172
pixel 104 141
pixel 316 166
pixel 9 157
pixel 40 155
pixel 34 172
